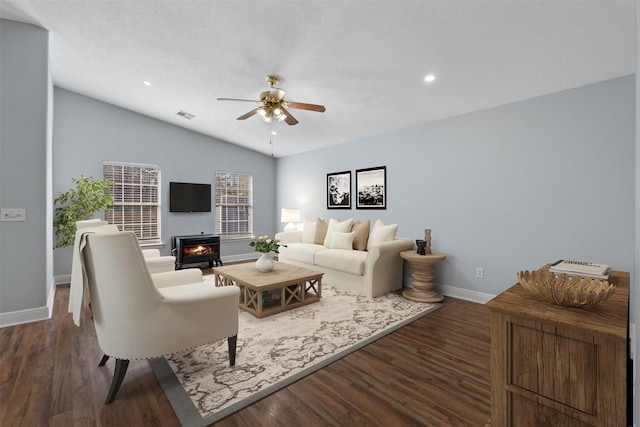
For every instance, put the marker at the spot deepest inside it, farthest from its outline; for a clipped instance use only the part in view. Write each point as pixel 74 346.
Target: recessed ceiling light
pixel 273 132
pixel 429 78
pixel 146 82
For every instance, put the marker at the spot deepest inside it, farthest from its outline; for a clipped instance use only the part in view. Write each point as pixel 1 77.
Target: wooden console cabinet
pixel 559 366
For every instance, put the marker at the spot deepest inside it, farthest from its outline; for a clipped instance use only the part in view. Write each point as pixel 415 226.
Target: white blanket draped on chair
pixel 78 277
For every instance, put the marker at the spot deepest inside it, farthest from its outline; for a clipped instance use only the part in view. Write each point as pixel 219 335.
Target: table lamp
pixel 290 216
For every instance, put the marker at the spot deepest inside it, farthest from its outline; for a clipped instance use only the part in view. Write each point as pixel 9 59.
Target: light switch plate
pixel 13 214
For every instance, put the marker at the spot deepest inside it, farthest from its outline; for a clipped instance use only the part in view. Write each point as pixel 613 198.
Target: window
pixel 234 204
pixel 136 196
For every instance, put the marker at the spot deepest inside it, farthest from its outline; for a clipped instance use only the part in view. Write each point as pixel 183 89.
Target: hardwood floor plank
pixel 432 372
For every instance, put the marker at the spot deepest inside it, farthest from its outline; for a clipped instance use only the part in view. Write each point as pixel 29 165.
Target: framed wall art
pixel 339 190
pixel 371 188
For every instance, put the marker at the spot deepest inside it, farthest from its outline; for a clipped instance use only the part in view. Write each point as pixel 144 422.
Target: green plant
pixel 264 244
pixel 88 196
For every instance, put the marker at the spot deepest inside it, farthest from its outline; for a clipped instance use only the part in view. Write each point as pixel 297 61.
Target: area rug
pixel 275 351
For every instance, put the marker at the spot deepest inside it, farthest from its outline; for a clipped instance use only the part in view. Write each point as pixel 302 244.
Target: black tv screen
pixel 189 197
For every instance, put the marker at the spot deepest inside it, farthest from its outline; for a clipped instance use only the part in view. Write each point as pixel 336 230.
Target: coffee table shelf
pixel 264 294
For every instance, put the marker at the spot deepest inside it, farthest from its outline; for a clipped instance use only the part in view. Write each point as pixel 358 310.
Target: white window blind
pixel 234 204
pixel 136 194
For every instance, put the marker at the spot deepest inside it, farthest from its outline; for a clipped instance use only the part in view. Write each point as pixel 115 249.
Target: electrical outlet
pixel 13 214
pixel 480 273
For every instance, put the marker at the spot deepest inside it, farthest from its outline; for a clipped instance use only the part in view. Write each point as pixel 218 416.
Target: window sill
pixel 235 239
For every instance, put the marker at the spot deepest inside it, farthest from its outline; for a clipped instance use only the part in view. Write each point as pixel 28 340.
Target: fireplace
pixel 197 248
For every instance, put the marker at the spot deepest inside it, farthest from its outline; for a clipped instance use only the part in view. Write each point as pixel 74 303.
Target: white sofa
pixel 352 257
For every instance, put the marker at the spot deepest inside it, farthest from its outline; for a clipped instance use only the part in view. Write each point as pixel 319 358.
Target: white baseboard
pixel 465 294
pixel 24 316
pixel 63 279
pixel 239 257
pixel 32 314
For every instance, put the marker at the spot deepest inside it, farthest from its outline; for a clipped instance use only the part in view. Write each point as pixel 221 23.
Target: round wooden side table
pixel 423 267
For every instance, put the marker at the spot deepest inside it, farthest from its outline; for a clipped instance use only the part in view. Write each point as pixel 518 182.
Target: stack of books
pixel 579 268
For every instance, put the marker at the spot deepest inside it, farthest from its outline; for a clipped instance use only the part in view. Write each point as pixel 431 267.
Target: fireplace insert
pixel 195 249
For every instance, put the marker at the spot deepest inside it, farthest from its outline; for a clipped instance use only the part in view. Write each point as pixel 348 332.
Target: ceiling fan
pixel 273 106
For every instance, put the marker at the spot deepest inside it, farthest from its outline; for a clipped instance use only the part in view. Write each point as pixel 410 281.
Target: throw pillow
pixel 381 233
pixel 308 231
pixel 340 227
pixel 361 231
pixel 342 240
pixel 321 232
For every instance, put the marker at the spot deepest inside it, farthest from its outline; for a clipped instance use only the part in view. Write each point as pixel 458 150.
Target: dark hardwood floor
pixel 432 372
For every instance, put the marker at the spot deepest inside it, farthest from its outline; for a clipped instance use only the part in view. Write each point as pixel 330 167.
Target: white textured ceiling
pixel 364 60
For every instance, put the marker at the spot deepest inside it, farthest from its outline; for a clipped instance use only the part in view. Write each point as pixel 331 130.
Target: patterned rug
pixel 275 351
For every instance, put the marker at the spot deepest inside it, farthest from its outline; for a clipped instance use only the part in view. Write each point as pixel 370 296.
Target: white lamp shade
pixel 290 215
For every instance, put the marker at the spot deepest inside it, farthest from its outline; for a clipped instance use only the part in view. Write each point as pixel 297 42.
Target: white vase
pixel 265 263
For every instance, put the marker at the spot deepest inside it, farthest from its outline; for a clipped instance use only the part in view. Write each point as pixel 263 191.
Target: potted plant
pixel 79 203
pixel 265 245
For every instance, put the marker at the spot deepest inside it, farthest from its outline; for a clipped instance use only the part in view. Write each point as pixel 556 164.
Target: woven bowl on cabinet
pixel 565 290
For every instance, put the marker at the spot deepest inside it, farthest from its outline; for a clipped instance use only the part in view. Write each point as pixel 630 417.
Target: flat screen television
pixel 189 197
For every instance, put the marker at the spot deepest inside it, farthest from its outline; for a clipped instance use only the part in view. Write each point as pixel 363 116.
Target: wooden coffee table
pixel 263 294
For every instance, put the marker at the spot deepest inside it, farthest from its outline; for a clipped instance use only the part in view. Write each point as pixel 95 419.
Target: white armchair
pixel 137 317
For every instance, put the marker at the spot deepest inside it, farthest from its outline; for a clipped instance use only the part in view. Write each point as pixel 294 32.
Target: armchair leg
pixel 232 349
pixel 103 360
pixel 118 376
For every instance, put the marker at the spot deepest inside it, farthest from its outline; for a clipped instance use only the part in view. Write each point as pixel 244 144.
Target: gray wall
pixel 25 247
pixel 88 132
pixel 506 189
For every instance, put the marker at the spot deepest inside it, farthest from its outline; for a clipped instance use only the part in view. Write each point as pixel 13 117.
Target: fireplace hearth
pixel 196 249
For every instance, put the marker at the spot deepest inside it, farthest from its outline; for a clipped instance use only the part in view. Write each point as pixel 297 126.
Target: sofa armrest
pixel 385 265
pixel 393 247
pixel 177 278
pixel 285 237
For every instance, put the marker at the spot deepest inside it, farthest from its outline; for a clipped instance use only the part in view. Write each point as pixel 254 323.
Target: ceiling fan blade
pixel 289 118
pixel 235 99
pixel 249 114
pixel 303 106
pixel 276 94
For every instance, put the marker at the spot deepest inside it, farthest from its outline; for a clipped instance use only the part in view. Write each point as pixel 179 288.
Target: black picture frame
pixel 371 188
pixel 339 190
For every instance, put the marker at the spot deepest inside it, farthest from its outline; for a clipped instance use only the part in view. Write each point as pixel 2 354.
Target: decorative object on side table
pixel 563 289
pixel 424 246
pixel 266 245
pixel 423 267
pixel 427 239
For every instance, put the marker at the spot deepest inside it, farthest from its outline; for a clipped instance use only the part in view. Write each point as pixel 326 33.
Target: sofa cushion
pixel 321 232
pixel 308 231
pixel 348 261
pixel 342 240
pixel 381 233
pixel 302 252
pixel 337 226
pixel 361 237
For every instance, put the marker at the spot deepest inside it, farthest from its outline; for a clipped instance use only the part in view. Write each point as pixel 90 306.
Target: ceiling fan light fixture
pixel 273 105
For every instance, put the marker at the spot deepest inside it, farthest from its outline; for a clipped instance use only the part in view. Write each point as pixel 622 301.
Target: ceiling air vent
pixel 186 115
